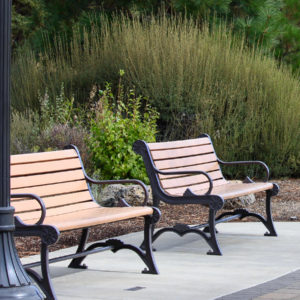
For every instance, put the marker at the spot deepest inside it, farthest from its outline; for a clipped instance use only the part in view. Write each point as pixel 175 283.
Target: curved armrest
pixel 39 200
pixel 122 181
pixel 251 162
pixel 188 172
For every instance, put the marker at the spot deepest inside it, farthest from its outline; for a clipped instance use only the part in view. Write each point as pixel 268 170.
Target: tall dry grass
pixel 201 79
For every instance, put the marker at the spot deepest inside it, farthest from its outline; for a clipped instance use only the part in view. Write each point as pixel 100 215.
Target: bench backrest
pixel 57 177
pixel 192 155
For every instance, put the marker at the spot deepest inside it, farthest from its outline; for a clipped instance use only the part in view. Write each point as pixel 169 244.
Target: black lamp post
pixel 14 282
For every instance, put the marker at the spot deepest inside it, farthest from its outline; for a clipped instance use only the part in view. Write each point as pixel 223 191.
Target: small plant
pixel 61 110
pixel 119 121
pixel 59 123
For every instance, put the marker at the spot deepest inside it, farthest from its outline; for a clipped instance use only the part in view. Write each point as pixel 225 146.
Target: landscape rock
pixel 240 202
pixel 133 195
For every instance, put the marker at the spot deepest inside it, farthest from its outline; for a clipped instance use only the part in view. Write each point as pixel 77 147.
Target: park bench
pixel 189 172
pixel 51 193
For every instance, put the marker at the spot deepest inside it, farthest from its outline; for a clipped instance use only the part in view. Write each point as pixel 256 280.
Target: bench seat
pixel 189 172
pixel 51 193
pixel 229 189
pixel 91 215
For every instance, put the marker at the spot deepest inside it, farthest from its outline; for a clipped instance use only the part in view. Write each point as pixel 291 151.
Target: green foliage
pixel 59 124
pixel 201 78
pixel 274 24
pixel 117 125
pixel 24 132
pixel 208 81
pixel 60 111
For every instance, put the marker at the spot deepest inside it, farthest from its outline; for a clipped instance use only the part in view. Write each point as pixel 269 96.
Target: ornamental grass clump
pixel 203 78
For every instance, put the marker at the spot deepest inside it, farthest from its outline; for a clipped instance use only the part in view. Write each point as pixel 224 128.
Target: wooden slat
pixel 95 216
pixel 35 180
pixel 22 205
pixel 178 144
pixel 186 161
pixel 42 156
pixel 182 152
pixel 198 187
pixel 44 167
pixel 203 167
pixel 189 180
pixel 58 211
pixel 233 190
pixel 54 189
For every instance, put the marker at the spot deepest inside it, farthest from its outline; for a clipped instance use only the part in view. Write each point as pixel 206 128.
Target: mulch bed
pixel 285 207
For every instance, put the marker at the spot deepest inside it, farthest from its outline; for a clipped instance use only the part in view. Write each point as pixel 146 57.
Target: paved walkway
pixel 252 267
pixel 284 287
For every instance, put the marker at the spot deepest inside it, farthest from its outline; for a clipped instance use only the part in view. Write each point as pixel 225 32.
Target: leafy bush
pixel 208 81
pixel 118 123
pixel 201 78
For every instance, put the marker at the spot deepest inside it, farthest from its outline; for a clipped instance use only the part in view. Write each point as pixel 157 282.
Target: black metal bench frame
pixel 214 202
pixel 49 235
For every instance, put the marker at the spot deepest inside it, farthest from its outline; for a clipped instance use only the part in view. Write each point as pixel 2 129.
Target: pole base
pixel 29 292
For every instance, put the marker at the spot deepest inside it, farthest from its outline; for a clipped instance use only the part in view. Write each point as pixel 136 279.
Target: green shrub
pixel 200 78
pixel 118 123
pixel 208 81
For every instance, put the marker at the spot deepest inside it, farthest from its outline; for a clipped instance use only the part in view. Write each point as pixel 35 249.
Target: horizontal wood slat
pixel 58 211
pixel 35 180
pixel 189 180
pixel 186 161
pixel 25 205
pixel 44 167
pixel 202 167
pixel 182 152
pixel 198 187
pixel 54 189
pixel 95 216
pixel 178 144
pixel 232 189
pixel 42 156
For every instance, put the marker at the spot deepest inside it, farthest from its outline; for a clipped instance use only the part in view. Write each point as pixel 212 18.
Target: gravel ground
pixel 285 207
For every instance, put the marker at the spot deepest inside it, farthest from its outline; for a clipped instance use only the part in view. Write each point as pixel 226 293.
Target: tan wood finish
pixel 42 156
pixel 185 161
pixel 196 187
pixel 44 167
pixel 196 155
pixel 209 167
pixel 35 180
pixel 178 144
pixel 228 190
pixel 164 159
pixel 94 216
pixel 57 177
pixel 189 180
pixel 182 152
pixel 24 206
pixel 54 189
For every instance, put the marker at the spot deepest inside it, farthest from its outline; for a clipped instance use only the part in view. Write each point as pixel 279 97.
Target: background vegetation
pixel 274 24
pixel 201 76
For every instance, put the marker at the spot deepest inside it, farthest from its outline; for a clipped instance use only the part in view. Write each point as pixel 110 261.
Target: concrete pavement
pixel 186 272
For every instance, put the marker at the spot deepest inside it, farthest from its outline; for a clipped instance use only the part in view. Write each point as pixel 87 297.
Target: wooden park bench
pixel 51 193
pixel 188 172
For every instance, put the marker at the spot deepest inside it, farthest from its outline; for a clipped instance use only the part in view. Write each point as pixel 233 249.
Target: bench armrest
pixel 251 162
pixel 38 199
pixel 188 172
pixel 123 181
